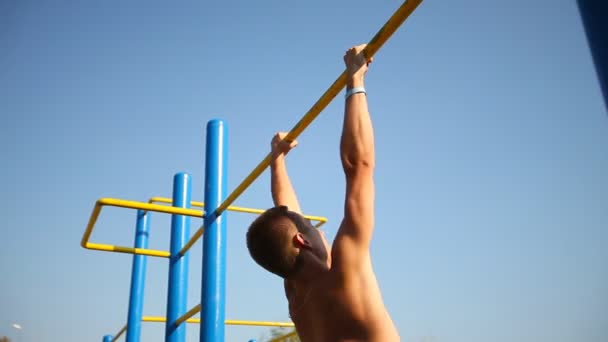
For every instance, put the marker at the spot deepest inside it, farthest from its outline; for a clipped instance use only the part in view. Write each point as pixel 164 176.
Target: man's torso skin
pixel 343 306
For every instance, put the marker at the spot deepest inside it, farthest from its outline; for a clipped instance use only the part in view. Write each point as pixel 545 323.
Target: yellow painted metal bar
pixel 197 235
pixel 91 224
pixel 156 208
pixel 115 202
pixel 160 319
pixel 164 200
pixel 286 336
pixel 130 205
pixel 320 219
pixel 128 250
pixel 261 323
pixel 122 331
pixel 373 46
pixel 154 319
pixel 196 309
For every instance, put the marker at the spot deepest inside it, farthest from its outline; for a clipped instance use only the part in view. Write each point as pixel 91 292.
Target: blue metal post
pixel 108 338
pixel 594 14
pixel 177 294
pixel 138 277
pixel 214 240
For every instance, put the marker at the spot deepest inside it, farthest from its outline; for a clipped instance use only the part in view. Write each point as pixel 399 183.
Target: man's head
pixel 278 238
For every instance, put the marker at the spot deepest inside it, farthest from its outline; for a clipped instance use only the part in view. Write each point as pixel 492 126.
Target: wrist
pixel 278 158
pixel 355 90
pixel 355 81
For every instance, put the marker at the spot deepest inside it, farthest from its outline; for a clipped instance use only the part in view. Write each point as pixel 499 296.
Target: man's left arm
pixel 281 188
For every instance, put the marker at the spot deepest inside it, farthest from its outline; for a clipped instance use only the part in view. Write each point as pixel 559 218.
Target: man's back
pixel 345 305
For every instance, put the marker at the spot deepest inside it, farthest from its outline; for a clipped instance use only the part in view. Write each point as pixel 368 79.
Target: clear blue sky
pixel 492 157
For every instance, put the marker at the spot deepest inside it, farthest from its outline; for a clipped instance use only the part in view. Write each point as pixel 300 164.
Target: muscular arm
pixel 281 188
pixel 358 161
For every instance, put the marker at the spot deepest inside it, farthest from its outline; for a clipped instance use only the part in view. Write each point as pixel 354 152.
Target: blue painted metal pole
pixel 177 294
pixel 138 278
pixel 213 293
pixel 108 338
pixel 594 14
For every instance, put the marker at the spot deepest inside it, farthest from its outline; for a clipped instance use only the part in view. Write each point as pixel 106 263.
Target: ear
pixel 300 240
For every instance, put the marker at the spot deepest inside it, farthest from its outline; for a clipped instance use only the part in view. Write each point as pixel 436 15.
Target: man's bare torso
pixel 342 306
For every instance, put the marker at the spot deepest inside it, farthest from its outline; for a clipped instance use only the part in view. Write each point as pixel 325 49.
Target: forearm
pixel 281 188
pixel 357 142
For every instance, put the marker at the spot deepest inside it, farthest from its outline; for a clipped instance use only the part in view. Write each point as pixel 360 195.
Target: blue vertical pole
pixel 108 338
pixel 177 293
pixel 214 240
pixel 594 14
pixel 138 277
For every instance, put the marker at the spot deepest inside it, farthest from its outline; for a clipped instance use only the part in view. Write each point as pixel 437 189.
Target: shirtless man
pixel 332 291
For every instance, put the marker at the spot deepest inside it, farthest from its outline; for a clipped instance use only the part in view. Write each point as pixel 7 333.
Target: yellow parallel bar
pixel 127 250
pixel 320 219
pixel 281 338
pixel 196 309
pixel 163 200
pixel 261 323
pixel 160 319
pixel 131 205
pixel 122 331
pixel 197 235
pixel 373 46
pixel 115 202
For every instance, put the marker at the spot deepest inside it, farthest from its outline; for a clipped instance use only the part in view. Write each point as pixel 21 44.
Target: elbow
pixel 356 164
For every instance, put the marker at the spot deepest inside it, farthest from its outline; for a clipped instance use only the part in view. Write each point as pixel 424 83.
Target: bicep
pixel 358 223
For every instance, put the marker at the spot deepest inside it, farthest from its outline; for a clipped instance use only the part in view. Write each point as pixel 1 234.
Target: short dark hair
pixel 270 241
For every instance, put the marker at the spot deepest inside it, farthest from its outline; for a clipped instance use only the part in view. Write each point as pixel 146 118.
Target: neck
pixel 311 269
pixel 299 288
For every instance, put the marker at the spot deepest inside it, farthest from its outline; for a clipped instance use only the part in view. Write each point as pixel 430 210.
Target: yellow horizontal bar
pixel 372 47
pixel 261 323
pixel 163 200
pixel 115 202
pixel 320 219
pixel 122 331
pixel 130 205
pixel 160 319
pixel 197 235
pixel 156 208
pixel 286 336
pixel 127 250
pixel 154 319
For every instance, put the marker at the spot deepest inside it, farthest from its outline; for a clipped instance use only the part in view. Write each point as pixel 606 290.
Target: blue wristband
pixel 355 90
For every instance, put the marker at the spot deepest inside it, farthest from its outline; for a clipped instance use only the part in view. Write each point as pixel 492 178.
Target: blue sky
pixel 492 159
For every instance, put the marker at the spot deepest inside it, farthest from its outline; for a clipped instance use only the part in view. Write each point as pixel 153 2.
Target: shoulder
pixel 349 253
